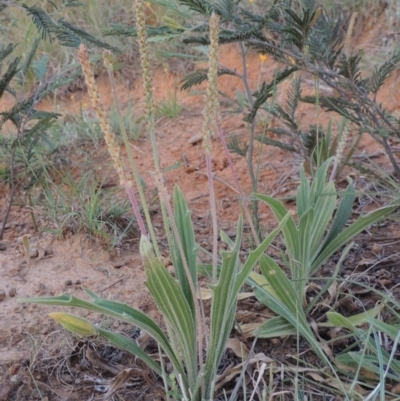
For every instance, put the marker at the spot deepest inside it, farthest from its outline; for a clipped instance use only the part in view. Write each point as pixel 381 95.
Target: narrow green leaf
pixel 289 230
pixel 277 326
pixel 301 266
pixel 173 304
pixel 119 311
pixel 355 320
pixel 346 235
pixel 282 286
pixel 338 320
pixel 319 181
pixel 186 237
pixel 74 324
pixel 84 328
pixel 323 211
pixel 128 345
pixel 368 362
pixel 303 194
pixel 222 309
pixel 385 328
pixel 343 213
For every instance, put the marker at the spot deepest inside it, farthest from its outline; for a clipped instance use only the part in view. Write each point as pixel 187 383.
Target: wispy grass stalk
pixel 107 58
pixel 109 136
pixel 211 110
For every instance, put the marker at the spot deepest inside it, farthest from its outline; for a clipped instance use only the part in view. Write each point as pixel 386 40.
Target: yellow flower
pixel 72 97
pixel 84 105
pixel 263 57
pixel 251 1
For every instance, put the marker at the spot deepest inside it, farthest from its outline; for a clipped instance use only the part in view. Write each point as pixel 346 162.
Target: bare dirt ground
pixel 36 356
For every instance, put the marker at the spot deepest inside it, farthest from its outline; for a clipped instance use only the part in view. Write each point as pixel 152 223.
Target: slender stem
pixel 11 198
pixel 244 76
pixel 250 152
pixel 136 211
pixel 213 218
pixel 148 90
pixel 139 185
pixel 238 186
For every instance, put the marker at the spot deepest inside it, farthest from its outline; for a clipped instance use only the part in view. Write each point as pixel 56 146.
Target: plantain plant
pixel 194 376
pixel 322 229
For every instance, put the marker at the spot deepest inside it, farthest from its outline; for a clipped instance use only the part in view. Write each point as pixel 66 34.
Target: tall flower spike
pixel 211 108
pixel 210 124
pixel 145 61
pixel 342 145
pixel 340 151
pixel 109 135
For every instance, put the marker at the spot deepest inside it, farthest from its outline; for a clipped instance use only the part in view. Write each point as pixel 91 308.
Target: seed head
pixel 109 135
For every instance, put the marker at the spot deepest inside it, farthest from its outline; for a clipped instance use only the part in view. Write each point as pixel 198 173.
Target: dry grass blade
pixel 240 349
pixel 251 365
pixel 124 376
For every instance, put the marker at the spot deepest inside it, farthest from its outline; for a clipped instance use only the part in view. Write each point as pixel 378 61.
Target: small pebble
pixel 68 282
pixel 119 265
pixel 2 295
pixel 14 369
pixel 33 253
pixel 48 252
pixel 77 282
pixel 195 139
pixel 3 246
pixel 12 292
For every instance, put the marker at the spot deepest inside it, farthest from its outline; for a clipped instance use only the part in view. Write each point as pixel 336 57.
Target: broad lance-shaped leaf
pixel 84 328
pixel 289 230
pixel 74 324
pixel 319 182
pixel 303 194
pixel 373 347
pixel 222 309
pixel 337 320
pixel 231 280
pixel 277 326
pixel 283 287
pixel 186 237
pixel 119 311
pixel 342 215
pixel 369 363
pixel 173 304
pixel 287 303
pixel 350 232
pixel 323 211
pixel 301 265
pixel 254 256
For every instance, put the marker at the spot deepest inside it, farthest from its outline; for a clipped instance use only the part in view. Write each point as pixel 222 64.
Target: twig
pixel 221 181
pixel 112 285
